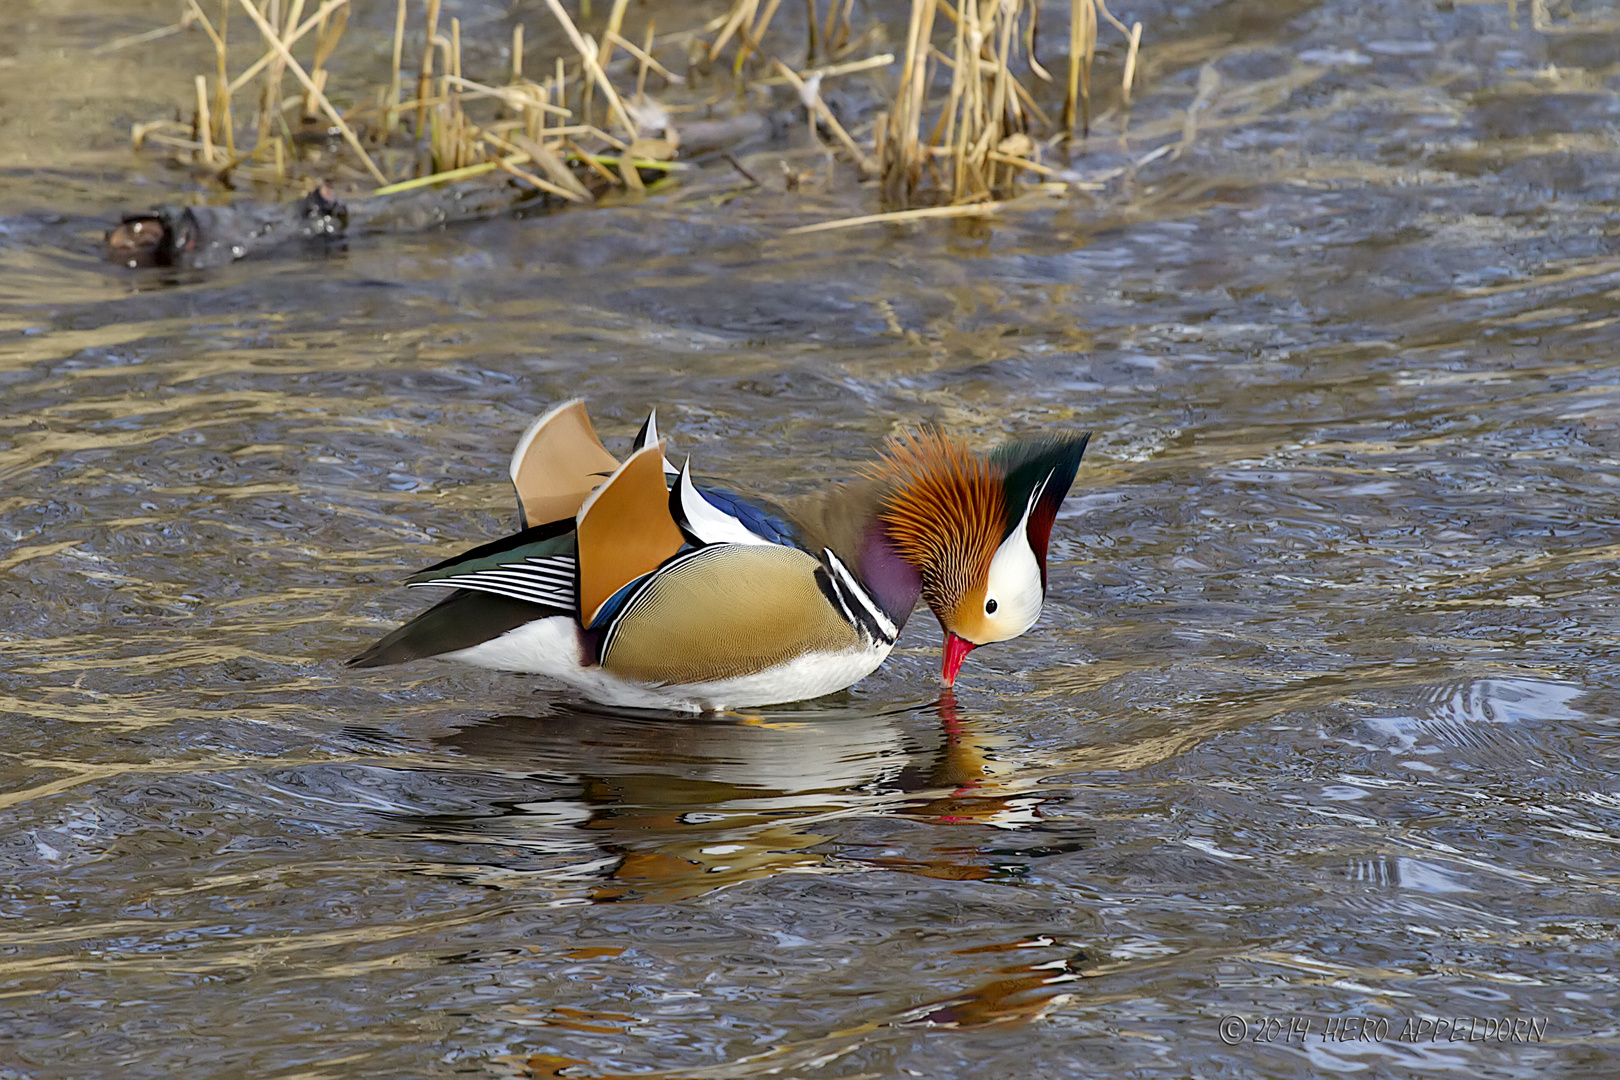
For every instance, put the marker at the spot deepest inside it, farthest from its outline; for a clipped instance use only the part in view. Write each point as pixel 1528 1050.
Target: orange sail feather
pixel 557 463
pixel 625 531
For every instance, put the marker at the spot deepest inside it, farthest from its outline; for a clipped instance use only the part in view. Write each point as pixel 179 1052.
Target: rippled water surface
pixel 1319 721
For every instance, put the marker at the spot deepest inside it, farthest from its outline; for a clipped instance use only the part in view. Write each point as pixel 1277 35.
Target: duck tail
pixel 459 621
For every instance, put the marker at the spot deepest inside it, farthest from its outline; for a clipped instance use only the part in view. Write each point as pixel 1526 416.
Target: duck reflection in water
pixel 1014 993
pixel 644 809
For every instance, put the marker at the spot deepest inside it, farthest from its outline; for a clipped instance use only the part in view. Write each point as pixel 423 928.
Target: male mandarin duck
pixel 638 588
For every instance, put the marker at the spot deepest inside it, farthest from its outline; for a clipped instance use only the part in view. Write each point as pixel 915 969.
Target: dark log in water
pixel 201 236
pixel 198 237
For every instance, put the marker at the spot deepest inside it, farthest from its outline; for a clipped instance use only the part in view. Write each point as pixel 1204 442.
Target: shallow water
pixel 1320 721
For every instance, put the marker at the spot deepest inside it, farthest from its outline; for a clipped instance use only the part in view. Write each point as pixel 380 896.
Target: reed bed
pixel 989 129
pixel 963 126
pixel 557 132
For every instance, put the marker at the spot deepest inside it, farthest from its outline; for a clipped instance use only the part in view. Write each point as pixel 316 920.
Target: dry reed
pixel 981 137
pixel 964 125
pixel 438 126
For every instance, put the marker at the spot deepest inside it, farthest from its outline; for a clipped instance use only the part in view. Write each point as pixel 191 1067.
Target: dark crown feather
pixel 1025 463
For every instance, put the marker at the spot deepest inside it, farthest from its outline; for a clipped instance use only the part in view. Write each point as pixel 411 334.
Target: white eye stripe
pixel 1013 587
pixel 1034 497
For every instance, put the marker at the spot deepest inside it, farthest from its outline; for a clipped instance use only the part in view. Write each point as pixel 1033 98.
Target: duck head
pixel 976 529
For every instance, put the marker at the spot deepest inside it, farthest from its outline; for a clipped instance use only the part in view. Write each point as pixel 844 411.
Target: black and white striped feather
pixel 552 580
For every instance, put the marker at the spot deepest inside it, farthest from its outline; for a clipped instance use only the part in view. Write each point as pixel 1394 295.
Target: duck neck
pixel 894 583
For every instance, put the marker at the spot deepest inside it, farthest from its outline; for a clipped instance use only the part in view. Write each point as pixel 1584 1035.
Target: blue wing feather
pixel 755 520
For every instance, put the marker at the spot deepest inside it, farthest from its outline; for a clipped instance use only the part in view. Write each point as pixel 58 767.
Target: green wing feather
pixel 543 542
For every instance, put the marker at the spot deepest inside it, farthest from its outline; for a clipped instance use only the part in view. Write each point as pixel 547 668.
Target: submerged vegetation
pixel 959 124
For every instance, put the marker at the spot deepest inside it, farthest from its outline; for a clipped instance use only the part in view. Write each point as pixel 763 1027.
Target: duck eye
pixel 990 607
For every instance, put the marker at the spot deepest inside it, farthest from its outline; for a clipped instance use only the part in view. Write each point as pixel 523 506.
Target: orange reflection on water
pixel 1026 992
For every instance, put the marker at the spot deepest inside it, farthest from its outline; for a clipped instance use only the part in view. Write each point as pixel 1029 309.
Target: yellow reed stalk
pixel 836 35
pixel 614 25
pixel 514 97
pixel 643 53
pixel 141 39
pixel 604 53
pixel 537 115
pixel 644 59
pixel 902 167
pixel 1102 6
pixel 326 40
pixel 1029 43
pixel 391 117
pixel 651 164
pixel 995 126
pixel 1023 163
pixel 222 94
pixel 976 146
pixel 751 36
pixel 895 216
pixel 138 133
pixel 205 133
pixel 632 176
pixel 968 71
pixel 1133 37
pixel 506 165
pixel 196 13
pixel 741 10
pixel 290 39
pixel 349 136
pixel 593 69
pixel 590 160
pixel 161 139
pixel 1130 62
pixel 829 70
pixel 1028 101
pixel 814 103
pixel 954 101
pixel 1082 44
pixel 841 39
pixel 455 125
pixel 554 168
pixel 270 108
pixel 446 177
pixel 424 75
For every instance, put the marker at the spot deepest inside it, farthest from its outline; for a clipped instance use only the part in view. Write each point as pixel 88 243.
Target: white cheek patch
pixel 1014 582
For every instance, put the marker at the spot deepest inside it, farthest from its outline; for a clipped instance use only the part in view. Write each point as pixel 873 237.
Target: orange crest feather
pixel 944 510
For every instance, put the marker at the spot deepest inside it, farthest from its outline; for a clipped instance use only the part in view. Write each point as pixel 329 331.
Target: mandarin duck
pixel 638 587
